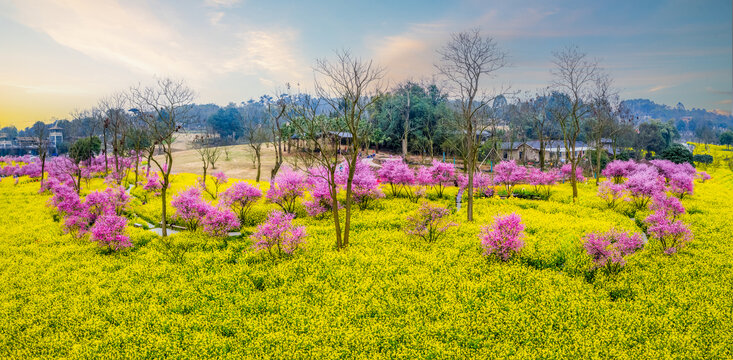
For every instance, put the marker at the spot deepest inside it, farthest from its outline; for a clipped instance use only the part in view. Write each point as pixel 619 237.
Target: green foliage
pixel 677 153
pixel 85 148
pixel 703 159
pixel 227 122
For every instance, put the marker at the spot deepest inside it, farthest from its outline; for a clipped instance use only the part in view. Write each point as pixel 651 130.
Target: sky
pixel 58 56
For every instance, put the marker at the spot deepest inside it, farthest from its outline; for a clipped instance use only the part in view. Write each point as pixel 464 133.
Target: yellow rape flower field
pixel 388 295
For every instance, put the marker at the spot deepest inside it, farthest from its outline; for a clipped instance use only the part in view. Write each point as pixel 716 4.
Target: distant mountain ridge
pixel 645 109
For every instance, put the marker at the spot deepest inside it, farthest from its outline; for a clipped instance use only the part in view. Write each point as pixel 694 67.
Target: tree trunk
pixel 598 163
pixel 259 165
pixel 43 168
pixel 335 212
pixel 163 221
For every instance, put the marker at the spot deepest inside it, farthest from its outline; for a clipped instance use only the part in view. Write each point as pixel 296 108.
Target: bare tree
pixel 348 86
pixel 164 108
pixel 276 113
pixel 575 75
pixel 605 106
pixel 256 133
pixel 468 58
pixel 116 122
pixel 320 150
pixel 41 134
pixel 209 153
pixel 536 111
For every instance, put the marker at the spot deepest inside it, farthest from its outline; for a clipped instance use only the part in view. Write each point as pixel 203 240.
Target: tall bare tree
pixel 256 133
pixel 116 122
pixel 275 109
pixel 40 132
pixel 208 151
pixel 349 85
pixel 467 59
pixel 575 75
pixel 164 109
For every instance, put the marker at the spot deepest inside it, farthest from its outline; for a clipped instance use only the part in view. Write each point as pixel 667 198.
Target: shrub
pixel 678 154
pixel 277 235
pixel 703 176
pixel 509 174
pixel 643 185
pixel 609 250
pixel 108 230
pixel 504 237
pixel 287 187
pixel 611 192
pixel 664 224
pixel 397 174
pixel 705 159
pixel 190 208
pixel 240 197
pixel 218 222
pixel 429 223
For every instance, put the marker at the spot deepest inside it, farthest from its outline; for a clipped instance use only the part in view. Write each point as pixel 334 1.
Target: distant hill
pixel 645 109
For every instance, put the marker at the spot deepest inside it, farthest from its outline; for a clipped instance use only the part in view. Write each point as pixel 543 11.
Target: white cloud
pixel 221 3
pixel 141 39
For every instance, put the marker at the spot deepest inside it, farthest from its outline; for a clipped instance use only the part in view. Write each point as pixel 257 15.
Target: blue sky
pixel 58 56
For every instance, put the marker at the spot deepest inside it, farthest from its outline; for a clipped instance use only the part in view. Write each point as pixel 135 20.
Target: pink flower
pixel 504 237
pixel 610 249
pixel 109 230
pixel 397 174
pixel 278 235
pixel 509 174
pixel 286 188
pixel 611 192
pixel 429 223
pixel 190 208
pixel 240 197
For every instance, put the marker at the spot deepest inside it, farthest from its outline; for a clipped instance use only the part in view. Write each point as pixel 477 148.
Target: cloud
pixel 215 17
pixel 271 52
pixel 221 3
pixel 658 87
pixel 139 38
pixel 724 102
pixel 106 30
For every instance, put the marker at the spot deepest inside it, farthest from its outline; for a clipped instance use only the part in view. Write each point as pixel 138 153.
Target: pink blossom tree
pixel 286 188
pixel 610 249
pixel 190 208
pixel 218 222
pixel 504 237
pixel 429 223
pixel 611 192
pixel 643 185
pixel 567 170
pixel 240 197
pixel 278 235
pixel 483 185
pixel 509 174
pixel 109 231
pixel 703 176
pixel 397 174
pixel 681 183
pixel 664 224
pixel 365 186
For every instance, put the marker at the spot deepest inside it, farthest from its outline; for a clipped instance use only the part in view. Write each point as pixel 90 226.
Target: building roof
pixel 535 144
